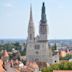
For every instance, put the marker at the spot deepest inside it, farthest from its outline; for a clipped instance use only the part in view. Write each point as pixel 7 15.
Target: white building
pixel 37 47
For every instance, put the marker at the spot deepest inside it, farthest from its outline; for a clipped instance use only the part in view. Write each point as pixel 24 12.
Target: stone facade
pixel 37 47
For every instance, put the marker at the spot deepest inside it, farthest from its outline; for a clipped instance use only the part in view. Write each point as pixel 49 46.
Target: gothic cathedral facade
pixel 37 47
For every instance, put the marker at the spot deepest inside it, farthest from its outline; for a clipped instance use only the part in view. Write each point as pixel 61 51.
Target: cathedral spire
pixel 31 18
pixel 43 14
pixel 43 24
pixel 43 8
pixel 31 32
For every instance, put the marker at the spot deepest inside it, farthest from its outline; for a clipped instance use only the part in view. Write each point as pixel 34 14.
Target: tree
pixel 54 47
pixel 23 53
pixel 17 46
pixel 59 66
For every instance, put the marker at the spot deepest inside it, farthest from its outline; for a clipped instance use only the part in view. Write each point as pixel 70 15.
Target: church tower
pixel 31 33
pixel 31 38
pixel 43 24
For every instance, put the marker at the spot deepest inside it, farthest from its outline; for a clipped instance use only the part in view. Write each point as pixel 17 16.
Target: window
pixel 37 47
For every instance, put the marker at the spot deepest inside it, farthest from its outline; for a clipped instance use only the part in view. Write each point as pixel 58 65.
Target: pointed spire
pixel 31 19
pixel 31 32
pixel 43 8
pixel 43 15
pixel 43 23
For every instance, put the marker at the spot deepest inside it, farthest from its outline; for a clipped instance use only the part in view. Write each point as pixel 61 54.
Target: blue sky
pixel 14 18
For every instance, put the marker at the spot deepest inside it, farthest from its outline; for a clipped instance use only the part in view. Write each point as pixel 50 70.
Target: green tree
pixel 54 47
pixel 23 53
pixel 59 66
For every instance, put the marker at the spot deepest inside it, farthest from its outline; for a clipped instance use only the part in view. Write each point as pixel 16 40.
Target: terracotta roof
pixel 42 64
pixel 62 71
pixel 27 69
pixel 17 70
pixel 1 68
pixel 1 62
pixel 32 65
pixel 5 53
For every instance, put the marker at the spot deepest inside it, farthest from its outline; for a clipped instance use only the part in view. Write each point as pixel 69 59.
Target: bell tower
pixel 43 24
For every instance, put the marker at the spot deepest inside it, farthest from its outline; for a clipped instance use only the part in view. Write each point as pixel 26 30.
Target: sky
pixel 14 18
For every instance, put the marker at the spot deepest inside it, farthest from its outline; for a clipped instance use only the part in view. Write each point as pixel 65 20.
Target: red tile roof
pixel 1 68
pixel 5 53
pixel 62 70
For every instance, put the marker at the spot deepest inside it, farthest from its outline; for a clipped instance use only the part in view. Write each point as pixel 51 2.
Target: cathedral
pixel 37 47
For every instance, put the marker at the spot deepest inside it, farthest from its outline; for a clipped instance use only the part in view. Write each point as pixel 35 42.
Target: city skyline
pixel 14 18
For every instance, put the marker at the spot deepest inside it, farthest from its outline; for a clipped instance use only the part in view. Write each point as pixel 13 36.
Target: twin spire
pixel 31 30
pixel 43 15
